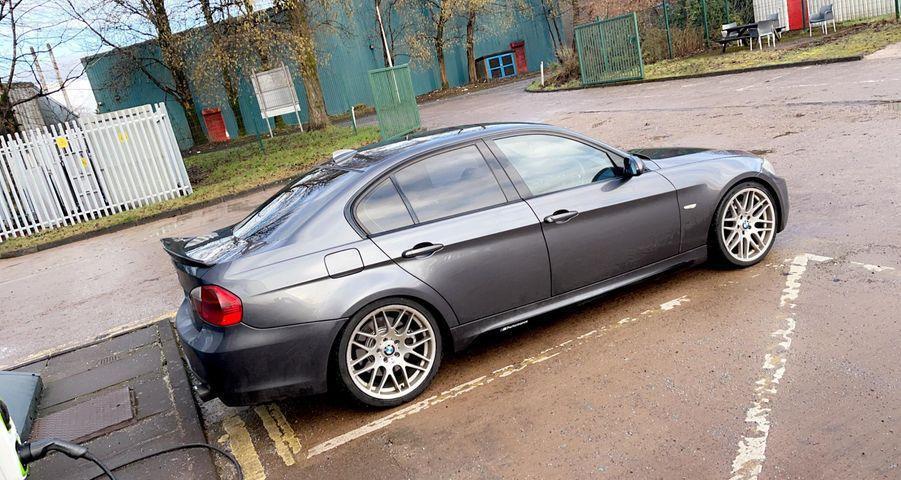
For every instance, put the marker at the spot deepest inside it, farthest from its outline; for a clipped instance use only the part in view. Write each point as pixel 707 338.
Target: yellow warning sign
pixel 62 142
pixel 123 137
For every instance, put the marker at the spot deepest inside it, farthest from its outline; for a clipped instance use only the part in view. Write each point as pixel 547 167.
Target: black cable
pixel 186 446
pixel 106 471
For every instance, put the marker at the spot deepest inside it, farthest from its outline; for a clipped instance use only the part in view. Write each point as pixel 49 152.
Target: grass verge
pixel 851 39
pixel 219 174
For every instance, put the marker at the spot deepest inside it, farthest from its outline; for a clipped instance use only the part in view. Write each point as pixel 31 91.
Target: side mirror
pixel 632 167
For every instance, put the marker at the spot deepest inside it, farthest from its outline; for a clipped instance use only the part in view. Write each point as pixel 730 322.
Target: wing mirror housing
pixel 632 167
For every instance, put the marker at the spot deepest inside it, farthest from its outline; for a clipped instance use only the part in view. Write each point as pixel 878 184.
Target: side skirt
pixel 466 333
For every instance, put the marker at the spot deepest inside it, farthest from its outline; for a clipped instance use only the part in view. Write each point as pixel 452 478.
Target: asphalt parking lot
pixel 789 369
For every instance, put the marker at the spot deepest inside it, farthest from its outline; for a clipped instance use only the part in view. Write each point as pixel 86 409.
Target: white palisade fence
pixel 77 171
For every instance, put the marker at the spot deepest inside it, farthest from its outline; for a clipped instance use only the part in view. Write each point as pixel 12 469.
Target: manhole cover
pixel 88 419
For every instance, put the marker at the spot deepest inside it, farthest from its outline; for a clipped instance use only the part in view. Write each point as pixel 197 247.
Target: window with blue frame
pixel 501 66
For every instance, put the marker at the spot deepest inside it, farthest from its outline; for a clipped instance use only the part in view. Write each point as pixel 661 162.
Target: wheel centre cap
pixel 746 225
pixel 389 349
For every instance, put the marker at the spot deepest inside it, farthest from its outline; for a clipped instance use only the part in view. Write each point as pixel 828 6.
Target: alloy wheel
pixel 748 225
pixel 391 352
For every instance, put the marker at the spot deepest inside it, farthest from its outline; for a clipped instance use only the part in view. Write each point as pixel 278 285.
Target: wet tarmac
pixel 789 369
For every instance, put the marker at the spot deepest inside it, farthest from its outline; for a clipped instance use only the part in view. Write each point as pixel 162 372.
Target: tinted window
pixel 382 209
pixel 548 164
pixel 449 183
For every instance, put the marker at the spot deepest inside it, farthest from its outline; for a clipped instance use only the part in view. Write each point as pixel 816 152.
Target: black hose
pixel 106 470
pixel 186 446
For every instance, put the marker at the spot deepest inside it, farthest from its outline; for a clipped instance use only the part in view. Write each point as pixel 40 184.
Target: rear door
pixel 454 221
pixel 597 224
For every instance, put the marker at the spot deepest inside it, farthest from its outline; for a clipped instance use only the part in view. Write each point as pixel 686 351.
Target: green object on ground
pixel 394 100
pixel 609 50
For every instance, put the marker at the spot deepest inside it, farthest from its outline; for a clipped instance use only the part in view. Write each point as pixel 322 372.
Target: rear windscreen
pixel 277 209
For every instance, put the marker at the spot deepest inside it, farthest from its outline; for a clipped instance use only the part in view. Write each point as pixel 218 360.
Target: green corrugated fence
pixel 394 100
pixel 609 50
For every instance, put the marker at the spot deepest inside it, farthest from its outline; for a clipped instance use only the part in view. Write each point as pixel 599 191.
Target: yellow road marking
pixel 280 432
pixel 241 445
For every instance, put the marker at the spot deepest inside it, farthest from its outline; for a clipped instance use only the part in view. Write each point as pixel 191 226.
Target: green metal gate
pixel 609 50
pixel 394 100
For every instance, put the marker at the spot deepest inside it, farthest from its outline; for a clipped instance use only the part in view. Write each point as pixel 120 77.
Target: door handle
pixel 561 216
pixel 422 250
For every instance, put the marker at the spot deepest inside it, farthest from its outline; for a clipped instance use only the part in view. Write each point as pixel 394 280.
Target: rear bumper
pixel 243 365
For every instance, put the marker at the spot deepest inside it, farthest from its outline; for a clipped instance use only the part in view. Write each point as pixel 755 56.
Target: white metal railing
pixel 843 9
pixel 76 171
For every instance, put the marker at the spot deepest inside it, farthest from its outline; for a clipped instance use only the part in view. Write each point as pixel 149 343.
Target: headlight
pixel 768 167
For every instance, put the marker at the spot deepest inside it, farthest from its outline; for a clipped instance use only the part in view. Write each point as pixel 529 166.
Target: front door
pixel 597 224
pixel 453 227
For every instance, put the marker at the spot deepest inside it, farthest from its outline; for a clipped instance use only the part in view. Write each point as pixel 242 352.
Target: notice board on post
pixel 276 94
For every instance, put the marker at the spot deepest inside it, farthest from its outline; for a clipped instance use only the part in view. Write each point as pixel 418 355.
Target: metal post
pixel 542 73
pixel 59 79
pixel 706 24
pixel 669 35
pixel 726 10
pixel 378 14
pixel 897 9
pixel 353 117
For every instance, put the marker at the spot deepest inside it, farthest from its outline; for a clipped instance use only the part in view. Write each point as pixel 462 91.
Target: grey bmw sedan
pixel 362 273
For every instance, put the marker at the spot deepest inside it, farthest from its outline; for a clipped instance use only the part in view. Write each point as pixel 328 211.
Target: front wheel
pixel 745 225
pixel 389 352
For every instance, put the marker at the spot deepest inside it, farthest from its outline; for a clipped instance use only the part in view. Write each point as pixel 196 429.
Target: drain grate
pixel 88 419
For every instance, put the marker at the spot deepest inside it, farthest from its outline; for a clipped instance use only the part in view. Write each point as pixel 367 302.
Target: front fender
pixel 700 187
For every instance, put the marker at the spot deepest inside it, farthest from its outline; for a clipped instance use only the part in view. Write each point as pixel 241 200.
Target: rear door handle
pixel 422 250
pixel 561 216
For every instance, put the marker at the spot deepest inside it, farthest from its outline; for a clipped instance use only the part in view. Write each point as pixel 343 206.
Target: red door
pixel 796 13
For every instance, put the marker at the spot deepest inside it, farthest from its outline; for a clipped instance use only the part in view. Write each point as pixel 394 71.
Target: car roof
pixel 391 151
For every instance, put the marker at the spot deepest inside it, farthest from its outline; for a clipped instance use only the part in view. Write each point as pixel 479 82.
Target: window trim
pixel 524 191
pixel 488 156
pixel 368 193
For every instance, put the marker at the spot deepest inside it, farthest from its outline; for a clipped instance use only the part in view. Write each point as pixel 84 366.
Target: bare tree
pixel 26 33
pixel 227 72
pixel 303 48
pixel 439 14
pixel 128 28
pixel 405 26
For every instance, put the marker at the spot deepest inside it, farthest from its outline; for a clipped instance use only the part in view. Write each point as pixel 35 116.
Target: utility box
pixel 519 54
pixel 215 125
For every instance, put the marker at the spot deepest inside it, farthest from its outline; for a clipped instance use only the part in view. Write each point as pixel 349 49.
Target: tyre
pixel 389 352
pixel 744 225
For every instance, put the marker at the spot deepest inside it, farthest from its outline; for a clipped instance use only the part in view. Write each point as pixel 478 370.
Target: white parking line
pixel 498 374
pixel 873 268
pixel 751 453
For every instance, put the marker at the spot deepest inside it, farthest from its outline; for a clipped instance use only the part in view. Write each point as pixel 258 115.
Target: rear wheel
pixel 389 352
pixel 745 225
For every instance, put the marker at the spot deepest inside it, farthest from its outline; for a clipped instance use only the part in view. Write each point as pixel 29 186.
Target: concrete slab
pixel 146 368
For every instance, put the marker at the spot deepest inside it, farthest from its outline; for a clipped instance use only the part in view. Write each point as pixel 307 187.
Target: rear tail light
pixel 217 306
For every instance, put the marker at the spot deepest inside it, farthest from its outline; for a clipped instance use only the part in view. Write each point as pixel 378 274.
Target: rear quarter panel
pixel 300 290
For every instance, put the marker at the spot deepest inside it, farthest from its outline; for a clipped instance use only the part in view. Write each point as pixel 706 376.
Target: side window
pixel 548 163
pixel 449 183
pixel 382 209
